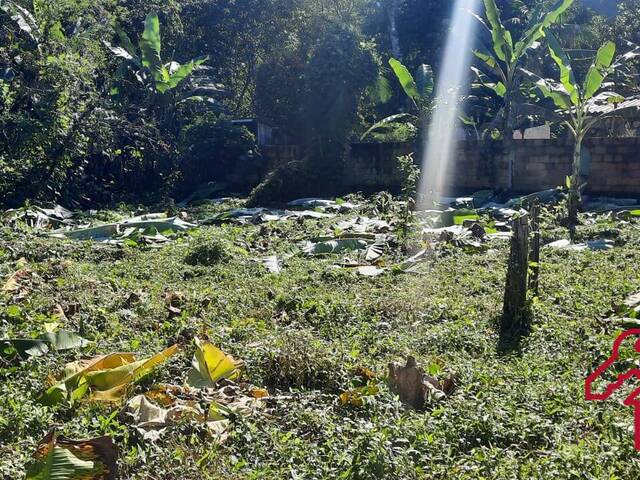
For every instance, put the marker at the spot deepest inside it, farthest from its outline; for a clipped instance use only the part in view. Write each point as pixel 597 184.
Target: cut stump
pixel 415 387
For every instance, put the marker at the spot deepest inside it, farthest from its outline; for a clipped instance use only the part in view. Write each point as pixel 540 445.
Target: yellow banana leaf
pixel 108 376
pixel 110 386
pixel 210 365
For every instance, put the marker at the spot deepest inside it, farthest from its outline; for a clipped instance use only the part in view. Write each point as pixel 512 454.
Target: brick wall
pixel 539 164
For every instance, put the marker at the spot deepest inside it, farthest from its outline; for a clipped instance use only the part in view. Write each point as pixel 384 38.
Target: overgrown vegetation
pixel 312 332
pixel 103 102
pixel 196 312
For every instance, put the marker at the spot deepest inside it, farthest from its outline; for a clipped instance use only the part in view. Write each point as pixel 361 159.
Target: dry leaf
pixel 259 393
pixel 61 458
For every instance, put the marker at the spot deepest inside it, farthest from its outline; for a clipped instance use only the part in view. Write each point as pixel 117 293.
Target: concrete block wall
pixel 539 164
pixel 614 167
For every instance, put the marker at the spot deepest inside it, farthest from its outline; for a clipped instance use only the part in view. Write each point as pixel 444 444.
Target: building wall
pixel 539 164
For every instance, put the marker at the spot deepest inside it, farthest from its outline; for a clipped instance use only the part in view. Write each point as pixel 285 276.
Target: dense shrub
pixel 213 148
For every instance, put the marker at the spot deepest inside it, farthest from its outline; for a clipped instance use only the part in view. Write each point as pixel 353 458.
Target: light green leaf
pixel 486 57
pixel 183 71
pixel 500 89
pixel 567 77
pixel 406 80
pixel 537 30
pixel 599 69
pixel 386 121
pixel 150 47
pixel 502 41
pixel 457 217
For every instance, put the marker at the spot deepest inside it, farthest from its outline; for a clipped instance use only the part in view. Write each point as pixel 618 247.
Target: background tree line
pixel 92 111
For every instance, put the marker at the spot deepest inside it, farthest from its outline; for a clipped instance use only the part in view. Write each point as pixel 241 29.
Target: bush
pixel 206 252
pixel 301 360
pixel 213 148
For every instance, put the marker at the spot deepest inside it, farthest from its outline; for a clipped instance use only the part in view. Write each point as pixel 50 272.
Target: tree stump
pixel 534 281
pixel 415 387
pixel 515 292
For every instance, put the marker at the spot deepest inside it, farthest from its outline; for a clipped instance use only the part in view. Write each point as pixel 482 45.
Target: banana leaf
pixel 334 246
pixel 150 48
pixel 406 80
pixel 109 231
pixel 60 458
pixel 567 78
pixel 599 69
pixel 210 365
pixel 502 41
pixel 388 121
pixel 36 347
pixel 107 377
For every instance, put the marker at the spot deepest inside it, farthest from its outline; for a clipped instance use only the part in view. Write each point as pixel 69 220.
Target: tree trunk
pixel 573 201
pixel 515 293
pixel 508 141
pixel 534 281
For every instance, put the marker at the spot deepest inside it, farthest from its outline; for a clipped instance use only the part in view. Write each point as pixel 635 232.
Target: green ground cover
pixel 304 334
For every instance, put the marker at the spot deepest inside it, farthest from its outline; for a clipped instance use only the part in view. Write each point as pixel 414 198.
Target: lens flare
pixel 452 83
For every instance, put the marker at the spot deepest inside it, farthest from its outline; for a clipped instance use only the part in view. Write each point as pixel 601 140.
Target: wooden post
pixel 534 281
pixel 515 292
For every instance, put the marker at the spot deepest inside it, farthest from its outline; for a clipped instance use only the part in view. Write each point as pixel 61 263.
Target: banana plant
pixel 500 65
pixel 147 61
pixel 503 64
pixel 582 106
pixel 418 90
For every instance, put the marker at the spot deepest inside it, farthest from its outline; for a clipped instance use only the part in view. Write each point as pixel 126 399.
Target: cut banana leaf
pixel 74 384
pixel 60 458
pixel 107 377
pixel 334 246
pixel 125 229
pixel 271 263
pixel 111 386
pixel 210 365
pixel 36 347
pixel 374 251
pixel 64 340
pixel 23 347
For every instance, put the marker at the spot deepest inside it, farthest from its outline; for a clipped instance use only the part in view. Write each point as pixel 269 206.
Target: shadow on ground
pixel 512 333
